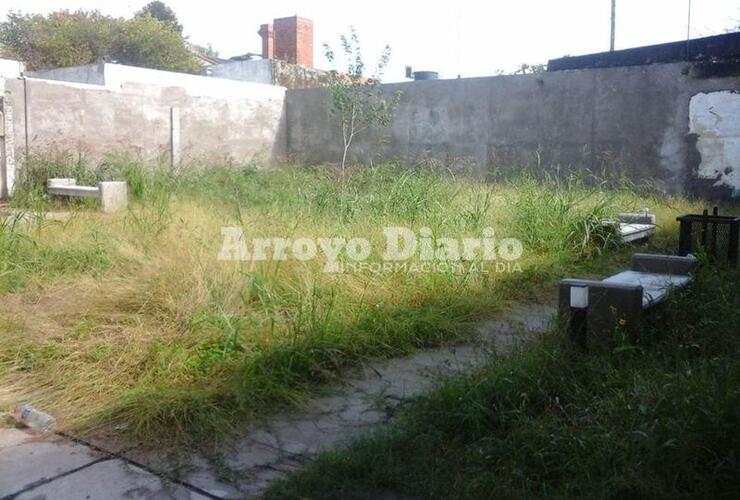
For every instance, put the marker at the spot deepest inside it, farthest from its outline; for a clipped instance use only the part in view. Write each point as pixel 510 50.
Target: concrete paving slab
pixel 109 480
pixel 197 471
pixel 11 437
pixel 202 474
pixel 31 461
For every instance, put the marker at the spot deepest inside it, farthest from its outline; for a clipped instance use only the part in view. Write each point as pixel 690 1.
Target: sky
pixel 464 37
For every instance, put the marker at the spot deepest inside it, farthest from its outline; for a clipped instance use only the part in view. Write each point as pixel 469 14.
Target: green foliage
pixel 145 41
pixel 66 38
pixel 21 257
pixel 60 39
pixel 161 12
pixel 205 50
pixel 358 101
pixel 530 69
pixel 567 217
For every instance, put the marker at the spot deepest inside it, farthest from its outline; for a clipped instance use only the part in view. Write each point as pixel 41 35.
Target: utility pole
pixel 688 34
pixel 614 23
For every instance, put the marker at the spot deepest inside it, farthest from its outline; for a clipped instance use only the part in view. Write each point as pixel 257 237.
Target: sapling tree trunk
pixel 358 102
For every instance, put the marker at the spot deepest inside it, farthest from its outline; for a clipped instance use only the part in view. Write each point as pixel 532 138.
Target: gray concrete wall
pixel 92 74
pixel 272 71
pixel 632 121
pixel 259 71
pixel 147 121
pixel 673 125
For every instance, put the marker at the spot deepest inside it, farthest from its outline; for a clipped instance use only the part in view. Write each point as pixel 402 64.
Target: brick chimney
pixel 288 39
pixel 268 41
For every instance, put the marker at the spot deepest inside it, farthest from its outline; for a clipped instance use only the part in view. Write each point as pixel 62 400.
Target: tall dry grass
pixel 130 319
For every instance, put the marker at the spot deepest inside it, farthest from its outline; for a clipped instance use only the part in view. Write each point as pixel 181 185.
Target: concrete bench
pixel 635 226
pixel 113 195
pixel 619 301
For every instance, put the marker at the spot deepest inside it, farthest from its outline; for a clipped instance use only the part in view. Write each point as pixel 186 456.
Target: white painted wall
pixel 10 68
pixel 715 118
pixel 131 79
pixel 89 73
pixel 118 76
pixel 259 70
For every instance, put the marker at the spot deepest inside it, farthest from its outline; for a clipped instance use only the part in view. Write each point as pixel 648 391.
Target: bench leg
pixel 113 196
pixel 611 310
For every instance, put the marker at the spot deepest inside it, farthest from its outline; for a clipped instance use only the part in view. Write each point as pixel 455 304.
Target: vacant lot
pixel 130 319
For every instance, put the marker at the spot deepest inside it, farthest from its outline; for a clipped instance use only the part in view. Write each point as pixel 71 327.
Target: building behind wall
pixel 287 57
pixel 288 39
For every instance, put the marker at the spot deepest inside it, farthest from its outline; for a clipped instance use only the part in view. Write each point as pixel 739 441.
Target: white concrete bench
pixel 635 226
pixel 619 301
pixel 113 195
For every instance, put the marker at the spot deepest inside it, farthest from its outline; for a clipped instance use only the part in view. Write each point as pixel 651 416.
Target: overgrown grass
pixel 652 420
pixel 131 319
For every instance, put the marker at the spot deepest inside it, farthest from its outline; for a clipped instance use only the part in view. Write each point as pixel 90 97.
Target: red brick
pixel 291 40
pixel 268 41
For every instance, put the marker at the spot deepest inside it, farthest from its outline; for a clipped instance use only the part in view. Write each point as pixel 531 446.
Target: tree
pixel 60 39
pixel 205 50
pixel 66 38
pixel 160 11
pixel 358 102
pixel 147 42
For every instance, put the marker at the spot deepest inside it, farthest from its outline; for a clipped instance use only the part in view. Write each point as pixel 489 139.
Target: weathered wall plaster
pixel 272 71
pixel 137 118
pixel 668 125
pixel 625 121
pixel 715 119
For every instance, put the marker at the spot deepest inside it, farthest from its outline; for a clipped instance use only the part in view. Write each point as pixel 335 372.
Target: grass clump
pixel 653 420
pixel 130 318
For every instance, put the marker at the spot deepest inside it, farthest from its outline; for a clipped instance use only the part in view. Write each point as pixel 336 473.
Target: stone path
pixel 56 467
pixel 62 468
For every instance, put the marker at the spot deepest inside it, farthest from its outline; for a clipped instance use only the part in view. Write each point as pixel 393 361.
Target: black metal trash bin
pixel 717 235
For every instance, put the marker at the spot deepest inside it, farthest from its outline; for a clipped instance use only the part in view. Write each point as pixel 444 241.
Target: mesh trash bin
pixel 716 235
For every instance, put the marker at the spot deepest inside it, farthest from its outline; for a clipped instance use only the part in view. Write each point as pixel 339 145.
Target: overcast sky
pixel 466 37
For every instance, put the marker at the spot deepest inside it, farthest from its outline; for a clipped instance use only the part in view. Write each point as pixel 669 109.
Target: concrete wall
pixel 272 71
pixel 714 118
pixel 147 121
pixel 673 125
pixel 93 74
pixel 119 77
pixel 259 71
pixel 10 68
pixel 630 120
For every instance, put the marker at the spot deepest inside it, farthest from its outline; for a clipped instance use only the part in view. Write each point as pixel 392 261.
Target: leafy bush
pixel 65 38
